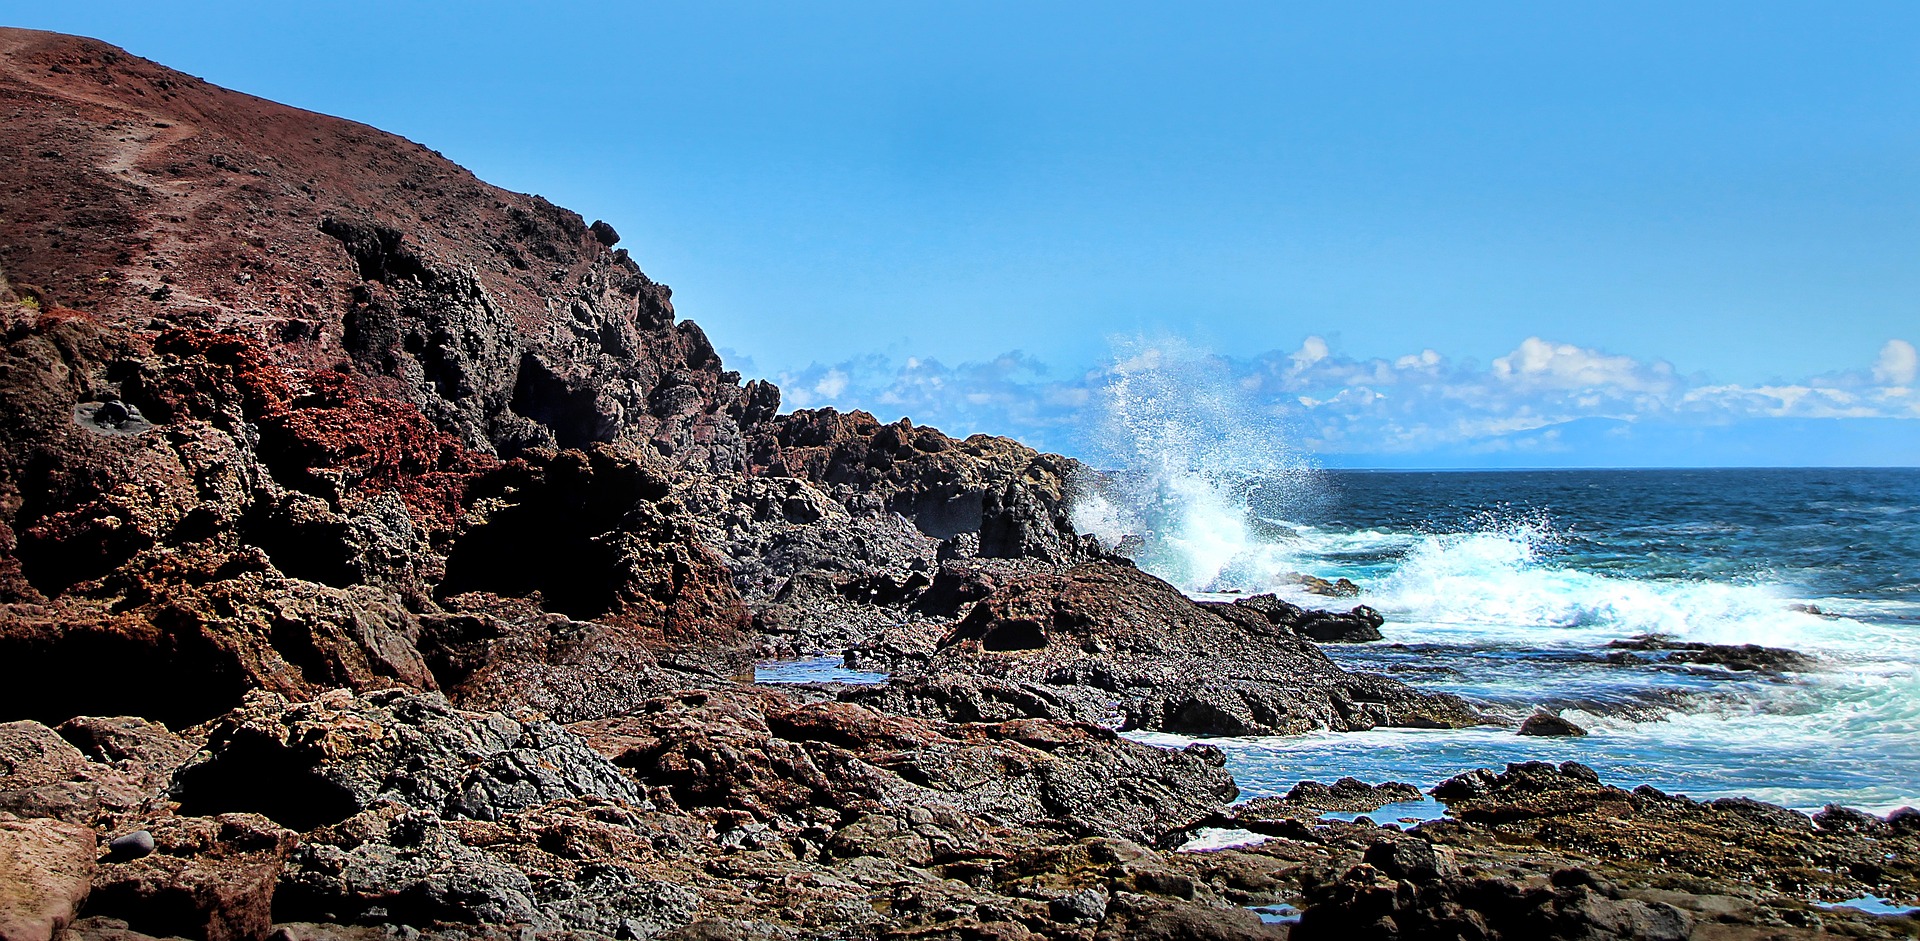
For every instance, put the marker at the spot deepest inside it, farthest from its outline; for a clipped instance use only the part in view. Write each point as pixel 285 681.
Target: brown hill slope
pixel 150 199
pixel 294 403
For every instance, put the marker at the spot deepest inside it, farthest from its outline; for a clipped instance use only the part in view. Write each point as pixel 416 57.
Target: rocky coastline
pixel 381 557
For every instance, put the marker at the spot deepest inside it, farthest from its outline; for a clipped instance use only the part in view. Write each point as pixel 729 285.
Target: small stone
pixel 604 233
pixel 1548 724
pixel 112 413
pixel 1411 859
pixel 132 845
pixel 1082 906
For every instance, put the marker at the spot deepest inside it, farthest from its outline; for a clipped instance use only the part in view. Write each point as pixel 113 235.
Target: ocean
pixel 1506 587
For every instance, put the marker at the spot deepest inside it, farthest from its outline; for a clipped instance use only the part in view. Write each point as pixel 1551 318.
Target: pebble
pixel 132 845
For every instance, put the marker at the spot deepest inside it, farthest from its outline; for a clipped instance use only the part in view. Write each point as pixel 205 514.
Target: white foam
pixel 1186 443
pixel 1188 449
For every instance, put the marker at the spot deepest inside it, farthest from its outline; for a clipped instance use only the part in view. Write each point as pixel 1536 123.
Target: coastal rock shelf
pixel 381 557
pixel 1105 639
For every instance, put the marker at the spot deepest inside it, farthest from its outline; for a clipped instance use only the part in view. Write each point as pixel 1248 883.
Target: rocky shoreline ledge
pixel 381 558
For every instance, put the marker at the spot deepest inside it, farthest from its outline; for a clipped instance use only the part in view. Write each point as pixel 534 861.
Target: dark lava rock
pixel 1408 889
pixel 1359 626
pixel 985 496
pixel 207 877
pixel 399 866
pixel 1733 841
pixel 42 775
pixel 1548 724
pixel 1337 588
pixel 317 763
pixel 1350 795
pixel 1748 658
pixel 1103 638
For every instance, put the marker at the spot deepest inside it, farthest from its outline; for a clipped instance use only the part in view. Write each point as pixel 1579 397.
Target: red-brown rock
pixel 46 867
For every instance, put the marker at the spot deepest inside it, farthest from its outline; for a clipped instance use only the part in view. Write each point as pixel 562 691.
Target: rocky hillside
pixel 380 557
pixel 295 404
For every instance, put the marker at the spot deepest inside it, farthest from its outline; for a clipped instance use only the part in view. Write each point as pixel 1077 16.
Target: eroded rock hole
pixel 1015 635
pixel 569 413
pixel 254 774
pixel 537 548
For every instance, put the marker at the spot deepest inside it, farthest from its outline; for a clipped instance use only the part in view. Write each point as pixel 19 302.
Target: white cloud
pixel 1408 404
pixel 1565 366
pixel 1312 350
pixel 1897 365
pixel 831 385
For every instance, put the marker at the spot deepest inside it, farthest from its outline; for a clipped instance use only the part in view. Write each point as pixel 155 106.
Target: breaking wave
pixel 1513 605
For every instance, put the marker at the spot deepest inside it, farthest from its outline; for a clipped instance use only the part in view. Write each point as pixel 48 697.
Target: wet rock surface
pixel 1347 795
pixel 1747 658
pixel 1549 725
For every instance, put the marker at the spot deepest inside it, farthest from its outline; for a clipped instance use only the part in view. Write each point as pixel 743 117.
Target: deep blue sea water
pixel 1505 587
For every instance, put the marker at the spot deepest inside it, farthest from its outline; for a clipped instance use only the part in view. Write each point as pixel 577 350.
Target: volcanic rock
pixel 210 878
pixel 316 763
pixel 46 870
pixel 1350 795
pixel 1728 841
pixel 1548 724
pixel 1359 626
pixel 42 775
pixel 1011 500
pixel 778 760
pixel 1104 638
pixel 1748 658
pixel 1408 889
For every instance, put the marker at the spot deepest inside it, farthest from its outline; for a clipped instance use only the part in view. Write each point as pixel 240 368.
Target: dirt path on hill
pixel 132 157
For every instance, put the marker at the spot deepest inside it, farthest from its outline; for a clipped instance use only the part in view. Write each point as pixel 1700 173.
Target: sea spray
pixel 1184 447
pixel 1507 589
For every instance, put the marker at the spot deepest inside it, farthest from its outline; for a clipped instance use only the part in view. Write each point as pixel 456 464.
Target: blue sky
pixel 1690 232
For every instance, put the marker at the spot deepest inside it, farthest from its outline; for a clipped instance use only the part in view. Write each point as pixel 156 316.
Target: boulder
pixel 1349 795
pixel 46 870
pixel 777 760
pixel 1741 658
pixel 1548 724
pixel 42 775
pixel 317 763
pixel 1405 889
pixel 1358 626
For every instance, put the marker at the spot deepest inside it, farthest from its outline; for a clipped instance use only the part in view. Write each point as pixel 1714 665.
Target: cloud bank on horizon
pixel 1543 404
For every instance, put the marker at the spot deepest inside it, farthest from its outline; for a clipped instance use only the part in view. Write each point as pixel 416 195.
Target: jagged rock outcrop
pixel 505 320
pixel 1105 639
pixel 986 496
pixel 1746 841
pixel 332 757
pixel 207 877
pixel 1409 888
pixel 1747 658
